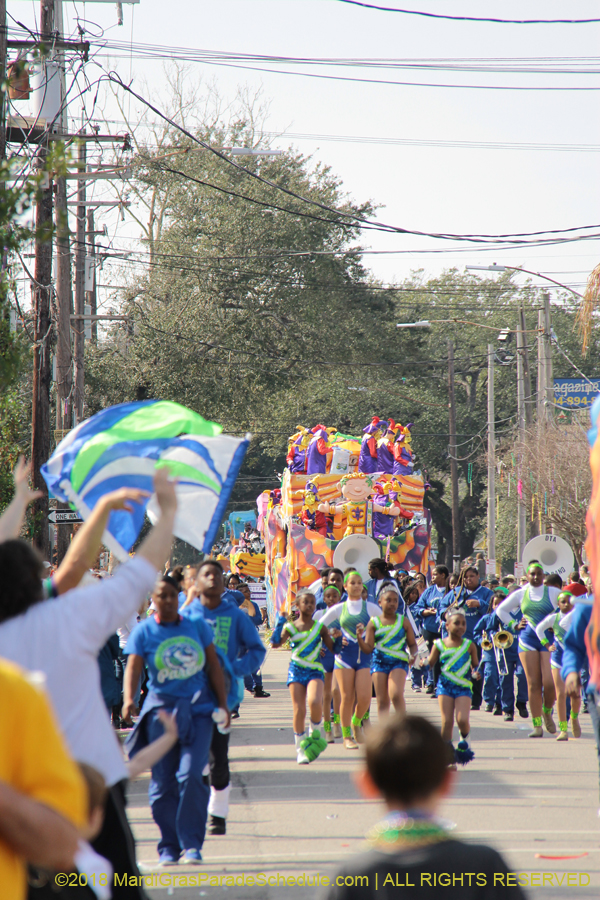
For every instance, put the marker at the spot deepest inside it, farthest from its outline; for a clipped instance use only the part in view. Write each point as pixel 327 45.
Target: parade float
pixel 343 501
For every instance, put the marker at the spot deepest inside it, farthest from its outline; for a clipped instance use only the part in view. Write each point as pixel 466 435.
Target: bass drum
pixel 356 550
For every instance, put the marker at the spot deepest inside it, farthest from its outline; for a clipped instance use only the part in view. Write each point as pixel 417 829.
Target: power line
pixel 359 221
pixel 428 15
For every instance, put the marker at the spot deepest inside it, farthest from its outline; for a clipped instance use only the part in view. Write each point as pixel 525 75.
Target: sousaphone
pixel 356 550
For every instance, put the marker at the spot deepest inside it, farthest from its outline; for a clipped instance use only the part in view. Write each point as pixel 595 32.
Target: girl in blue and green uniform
pixel 331 596
pixel 352 665
pixel 457 656
pixel 305 673
pixel 391 641
pixel 536 601
pixel 554 622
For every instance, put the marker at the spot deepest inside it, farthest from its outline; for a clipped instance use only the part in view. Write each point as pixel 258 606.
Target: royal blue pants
pixel 491 683
pixel 508 685
pixel 499 690
pixel 178 794
pixel 254 681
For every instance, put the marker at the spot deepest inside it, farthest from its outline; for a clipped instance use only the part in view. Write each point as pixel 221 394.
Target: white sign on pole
pixel 490 567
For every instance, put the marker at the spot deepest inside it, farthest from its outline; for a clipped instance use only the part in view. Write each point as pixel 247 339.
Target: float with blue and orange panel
pixel 343 501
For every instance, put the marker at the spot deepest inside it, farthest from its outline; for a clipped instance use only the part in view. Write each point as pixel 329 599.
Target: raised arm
pixel 13 516
pixel 85 545
pixel 156 548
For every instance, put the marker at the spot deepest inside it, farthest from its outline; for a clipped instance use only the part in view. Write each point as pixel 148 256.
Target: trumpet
pixel 486 644
pixel 502 641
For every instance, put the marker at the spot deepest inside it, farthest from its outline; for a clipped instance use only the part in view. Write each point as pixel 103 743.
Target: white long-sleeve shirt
pixel 514 600
pixel 62 638
pixel 547 623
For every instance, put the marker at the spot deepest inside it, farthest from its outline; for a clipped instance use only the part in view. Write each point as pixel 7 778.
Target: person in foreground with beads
pixel 536 601
pixel 305 674
pixel 387 638
pixel 352 666
pixel 406 767
pixel 457 656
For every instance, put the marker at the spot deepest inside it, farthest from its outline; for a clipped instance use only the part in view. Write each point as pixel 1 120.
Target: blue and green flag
pixel 123 445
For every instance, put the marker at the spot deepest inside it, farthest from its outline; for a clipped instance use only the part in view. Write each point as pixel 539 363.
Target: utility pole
pixel 91 294
pixel 541 373
pixel 42 356
pixel 521 524
pixel 491 504
pixel 79 323
pixel 529 400
pixel 549 384
pixel 2 77
pixel 453 462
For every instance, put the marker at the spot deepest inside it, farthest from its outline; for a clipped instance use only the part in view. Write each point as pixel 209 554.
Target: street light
pixel 248 151
pixel 497 268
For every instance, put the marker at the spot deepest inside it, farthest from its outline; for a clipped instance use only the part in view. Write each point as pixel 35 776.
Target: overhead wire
pixel 360 221
pixel 496 21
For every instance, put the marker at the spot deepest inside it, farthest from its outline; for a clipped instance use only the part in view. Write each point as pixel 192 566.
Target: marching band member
pixel 427 608
pixel 305 673
pixel 474 600
pixel 499 693
pixel 458 656
pixel 556 623
pixel 352 666
pixel 536 600
pixel 386 638
pixel 331 596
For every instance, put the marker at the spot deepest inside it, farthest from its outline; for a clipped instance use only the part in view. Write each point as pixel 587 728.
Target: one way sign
pixel 64 517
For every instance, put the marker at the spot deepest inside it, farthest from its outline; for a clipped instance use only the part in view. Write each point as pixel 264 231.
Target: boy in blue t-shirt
pixel 237 637
pixel 176 650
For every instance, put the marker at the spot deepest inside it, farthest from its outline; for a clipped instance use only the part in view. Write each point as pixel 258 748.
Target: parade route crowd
pixel 468 648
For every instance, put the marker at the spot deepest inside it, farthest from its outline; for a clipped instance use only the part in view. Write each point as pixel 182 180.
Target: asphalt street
pixel 536 801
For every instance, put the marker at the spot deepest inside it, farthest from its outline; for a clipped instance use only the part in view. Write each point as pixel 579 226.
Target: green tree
pixel 257 310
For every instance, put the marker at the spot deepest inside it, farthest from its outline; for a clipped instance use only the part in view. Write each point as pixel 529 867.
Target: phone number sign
pixel 576 392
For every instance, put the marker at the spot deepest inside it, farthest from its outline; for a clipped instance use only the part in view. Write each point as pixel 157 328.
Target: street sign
pixel 573 393
pixel 64 517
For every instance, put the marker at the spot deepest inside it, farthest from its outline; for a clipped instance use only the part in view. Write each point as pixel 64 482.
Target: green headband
pixel 350 574
pixel 534 566
pixel 334 587
pixel 564 594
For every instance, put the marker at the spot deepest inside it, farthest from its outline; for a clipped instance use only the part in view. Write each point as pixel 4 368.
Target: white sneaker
pixel 301 757
pixel 337 730
pixel 329 737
